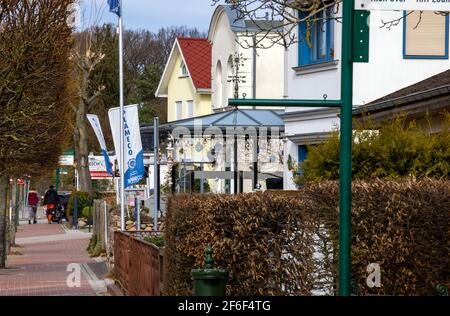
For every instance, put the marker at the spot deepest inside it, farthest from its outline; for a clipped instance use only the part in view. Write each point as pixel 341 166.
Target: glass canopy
pixel 233 118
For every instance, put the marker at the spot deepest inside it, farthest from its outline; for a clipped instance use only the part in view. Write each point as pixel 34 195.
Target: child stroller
pixel 54 213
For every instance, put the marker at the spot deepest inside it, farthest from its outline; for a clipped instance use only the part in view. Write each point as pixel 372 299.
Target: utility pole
pixel 115 6
pixel 156 172
pixel 345 158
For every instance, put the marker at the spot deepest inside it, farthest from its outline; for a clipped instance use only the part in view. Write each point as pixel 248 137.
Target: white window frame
pixel 183 70
pixel 407 55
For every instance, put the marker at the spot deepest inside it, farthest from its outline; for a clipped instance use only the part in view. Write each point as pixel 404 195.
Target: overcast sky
pixel 152 14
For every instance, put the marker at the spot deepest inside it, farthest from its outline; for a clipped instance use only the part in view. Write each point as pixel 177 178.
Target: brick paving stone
pixel 41 269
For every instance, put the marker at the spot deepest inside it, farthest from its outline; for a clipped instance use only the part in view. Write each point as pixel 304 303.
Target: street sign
pixel 20 181
pixel 66 160
pixel 361 31
pixel 403 5
pixel 97 167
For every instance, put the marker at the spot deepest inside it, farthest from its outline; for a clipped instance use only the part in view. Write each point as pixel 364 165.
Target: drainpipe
pixel 285 74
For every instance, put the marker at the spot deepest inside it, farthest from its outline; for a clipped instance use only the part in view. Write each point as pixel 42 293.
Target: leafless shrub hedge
pixel 287 244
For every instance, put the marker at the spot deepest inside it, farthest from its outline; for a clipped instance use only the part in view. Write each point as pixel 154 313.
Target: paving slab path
pixel 50 260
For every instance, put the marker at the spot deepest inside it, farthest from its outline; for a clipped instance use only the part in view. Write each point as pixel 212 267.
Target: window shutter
pixel 178 110
pixel 428 38
pixel 190 109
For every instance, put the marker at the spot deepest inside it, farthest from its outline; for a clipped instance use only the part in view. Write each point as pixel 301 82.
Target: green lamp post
pixel 209 281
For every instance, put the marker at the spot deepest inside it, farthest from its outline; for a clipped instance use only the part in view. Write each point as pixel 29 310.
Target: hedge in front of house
pixel 397 150
pixel 288 245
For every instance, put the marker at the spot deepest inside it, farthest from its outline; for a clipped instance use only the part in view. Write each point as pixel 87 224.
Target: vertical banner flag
pixel 114 6
pixel 93 119
pixel 133 152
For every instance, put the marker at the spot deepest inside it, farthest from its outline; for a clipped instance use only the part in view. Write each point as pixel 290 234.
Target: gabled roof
pixel 434 86
pixel 238 24
pixel 196 55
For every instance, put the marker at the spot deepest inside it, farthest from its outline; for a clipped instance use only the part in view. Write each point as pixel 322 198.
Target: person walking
pixel 51 200
pixel 33 201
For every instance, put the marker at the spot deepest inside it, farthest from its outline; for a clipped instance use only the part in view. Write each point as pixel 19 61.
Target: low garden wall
pixel 287 244
pixel 137 264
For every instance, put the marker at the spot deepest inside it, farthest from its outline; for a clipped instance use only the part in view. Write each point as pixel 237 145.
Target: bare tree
pixel 35 83
pixel 275 20
pixel 166 37
pixel 86 56
pixel 284 15
pixel 394 22
pixel 85 60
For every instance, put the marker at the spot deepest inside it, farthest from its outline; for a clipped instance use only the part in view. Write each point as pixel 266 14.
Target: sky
pixel 151 14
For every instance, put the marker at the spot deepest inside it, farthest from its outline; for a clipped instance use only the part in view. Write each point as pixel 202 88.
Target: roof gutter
pixel 286 103
pixel 203 91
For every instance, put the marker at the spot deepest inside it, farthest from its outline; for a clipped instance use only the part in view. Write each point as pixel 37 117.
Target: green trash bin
pixel 209 281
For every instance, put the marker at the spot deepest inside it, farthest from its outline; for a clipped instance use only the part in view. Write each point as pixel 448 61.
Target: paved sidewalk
pixel 46 254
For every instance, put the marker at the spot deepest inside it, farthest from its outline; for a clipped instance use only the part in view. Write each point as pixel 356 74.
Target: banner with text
pixel 133 152
pixel 98 167
pixel 403 5
pixel 95 122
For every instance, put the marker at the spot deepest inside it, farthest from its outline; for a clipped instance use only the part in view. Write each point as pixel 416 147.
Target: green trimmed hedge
pixel 398 149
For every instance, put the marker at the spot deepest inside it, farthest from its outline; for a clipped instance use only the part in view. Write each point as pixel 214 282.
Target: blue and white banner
pixel 114 6
pixel 133 152
pixel 95 123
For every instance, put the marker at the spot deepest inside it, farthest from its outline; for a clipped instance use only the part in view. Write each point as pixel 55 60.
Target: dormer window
pixel 183 70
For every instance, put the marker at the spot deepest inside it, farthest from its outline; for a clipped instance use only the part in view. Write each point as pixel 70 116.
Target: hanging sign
pixel 403 5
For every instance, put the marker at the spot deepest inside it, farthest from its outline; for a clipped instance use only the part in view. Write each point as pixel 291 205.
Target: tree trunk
pixel 21 203
pixel 3 214
pixel 81 141
pixel 83 164
pixel 12 224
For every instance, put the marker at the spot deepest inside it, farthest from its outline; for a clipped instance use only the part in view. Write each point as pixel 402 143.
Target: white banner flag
pixel 133 152
pixel 95 122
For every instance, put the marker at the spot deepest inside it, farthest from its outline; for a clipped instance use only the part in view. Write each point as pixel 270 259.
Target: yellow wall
pixel 181 89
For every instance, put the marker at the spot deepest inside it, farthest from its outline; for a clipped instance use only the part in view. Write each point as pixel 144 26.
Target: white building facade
pixel 401 55
pixel 261 70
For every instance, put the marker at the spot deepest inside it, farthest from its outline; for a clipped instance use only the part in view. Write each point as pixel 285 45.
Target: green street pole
pixel 345 166
pixel 345 155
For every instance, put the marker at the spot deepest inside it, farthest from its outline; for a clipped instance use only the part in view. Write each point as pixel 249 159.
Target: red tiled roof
pixel 197 54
